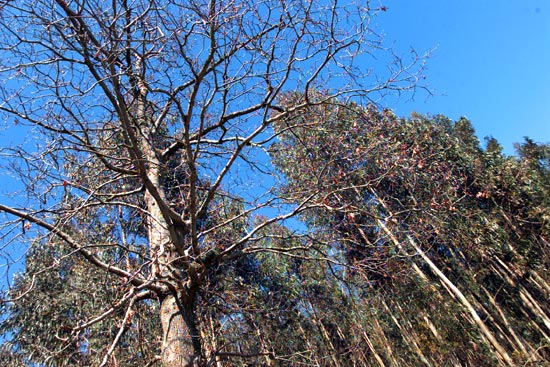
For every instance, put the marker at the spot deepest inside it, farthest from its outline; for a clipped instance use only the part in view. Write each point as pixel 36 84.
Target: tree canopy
pixel 208 184
pixel 450 237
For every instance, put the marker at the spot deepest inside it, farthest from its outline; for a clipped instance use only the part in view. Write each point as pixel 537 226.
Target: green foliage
pixel 351 290
pixel 480 216
pixel 58 293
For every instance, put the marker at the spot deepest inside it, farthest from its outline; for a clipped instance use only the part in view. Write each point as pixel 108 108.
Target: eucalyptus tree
pixel 143 164
pixel 420 212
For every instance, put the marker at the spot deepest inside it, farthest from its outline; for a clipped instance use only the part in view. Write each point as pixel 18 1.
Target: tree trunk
pixel 501 352
pixel 385 342
pixel 325 334
pixel 453 290
pixel 375 354
pixel 519 342
pixel 210 337
pixel 408 335
pixel 528 300
pixel 181 345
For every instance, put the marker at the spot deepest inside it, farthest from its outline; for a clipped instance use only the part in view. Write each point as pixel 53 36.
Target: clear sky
pixel 491 62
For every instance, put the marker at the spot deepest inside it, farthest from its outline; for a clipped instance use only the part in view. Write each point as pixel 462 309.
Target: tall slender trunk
pixel 210 338
pixel 467 305
pixel 325 334
pixel 358 327
pixel 453 290
pixel 385 342
pixel 526 297
pixel 519 342
pixel 409 336
pixel 541 284
pixel 372 349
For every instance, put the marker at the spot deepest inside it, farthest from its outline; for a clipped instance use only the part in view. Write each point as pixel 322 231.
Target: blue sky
pixel 490 63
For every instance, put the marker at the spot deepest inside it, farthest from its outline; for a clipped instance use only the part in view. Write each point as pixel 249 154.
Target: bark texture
pixel 181 343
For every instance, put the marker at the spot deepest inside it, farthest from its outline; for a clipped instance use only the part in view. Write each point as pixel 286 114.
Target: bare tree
pixel 147 124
